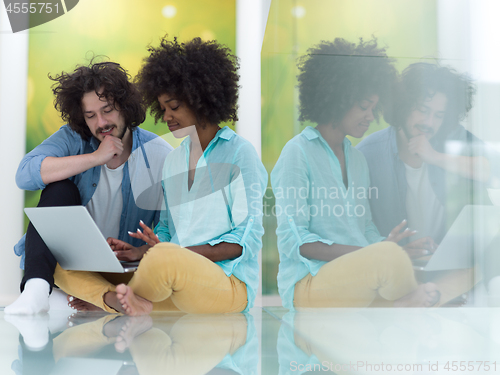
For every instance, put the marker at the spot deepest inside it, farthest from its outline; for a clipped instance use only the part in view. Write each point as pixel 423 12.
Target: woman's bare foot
pixel 132 327
pixel 112 301
pixel 426 295
pixel 81 305
pixel 132 305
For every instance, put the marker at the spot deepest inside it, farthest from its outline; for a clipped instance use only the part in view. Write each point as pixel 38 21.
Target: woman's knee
pixel 388 252
pixel 164 253
pixel 396 258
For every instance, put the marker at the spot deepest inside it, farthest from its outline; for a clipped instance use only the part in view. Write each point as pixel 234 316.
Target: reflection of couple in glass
pixel 331 259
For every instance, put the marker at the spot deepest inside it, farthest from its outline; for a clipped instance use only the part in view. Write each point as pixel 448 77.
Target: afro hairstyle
pixel 334 76
pixel 202 74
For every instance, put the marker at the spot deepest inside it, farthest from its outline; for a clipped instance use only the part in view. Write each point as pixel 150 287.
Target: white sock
pixel 34 329
pixel 58 301
pixel 33 300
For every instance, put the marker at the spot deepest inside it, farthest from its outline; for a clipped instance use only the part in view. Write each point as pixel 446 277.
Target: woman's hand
pixel 147 235
pixel 396 235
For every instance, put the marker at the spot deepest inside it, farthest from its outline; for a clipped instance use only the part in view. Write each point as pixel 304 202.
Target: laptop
pixel 465 242
pixel 75 240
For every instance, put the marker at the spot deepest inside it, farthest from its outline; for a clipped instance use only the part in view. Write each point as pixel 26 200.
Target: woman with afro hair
pixel 203 253
pixel 331 253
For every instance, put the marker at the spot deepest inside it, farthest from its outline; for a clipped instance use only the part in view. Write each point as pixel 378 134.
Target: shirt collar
pixel 312 133
pixel 226 133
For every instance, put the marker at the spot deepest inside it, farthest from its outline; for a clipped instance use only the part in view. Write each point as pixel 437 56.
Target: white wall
pixel 251 19
pixel 13 96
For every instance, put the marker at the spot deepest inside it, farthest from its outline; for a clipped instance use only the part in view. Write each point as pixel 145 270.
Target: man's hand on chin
pixel 421 147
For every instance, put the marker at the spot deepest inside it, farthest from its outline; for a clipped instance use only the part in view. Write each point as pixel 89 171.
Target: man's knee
pixel 60 193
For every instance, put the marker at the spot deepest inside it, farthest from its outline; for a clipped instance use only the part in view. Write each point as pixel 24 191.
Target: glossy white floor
pixel 267 340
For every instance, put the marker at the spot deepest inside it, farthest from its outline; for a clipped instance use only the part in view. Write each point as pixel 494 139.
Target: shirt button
pixel 94 185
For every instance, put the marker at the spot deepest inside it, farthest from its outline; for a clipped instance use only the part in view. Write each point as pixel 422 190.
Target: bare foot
pixel 132 327
pixel 81 305
pixel 426 295
pixel 132 304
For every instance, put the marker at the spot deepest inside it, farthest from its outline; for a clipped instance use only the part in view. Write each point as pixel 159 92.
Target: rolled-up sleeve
pixel 62 143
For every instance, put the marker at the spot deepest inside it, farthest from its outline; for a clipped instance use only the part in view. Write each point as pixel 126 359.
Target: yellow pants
pixel 194 345
pixel 208 339
pixel 358 278
pixel 375 275
pixel 172 277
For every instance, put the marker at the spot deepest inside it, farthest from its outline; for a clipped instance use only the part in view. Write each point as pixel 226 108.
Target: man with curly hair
pixel 98 160
pixel 426 166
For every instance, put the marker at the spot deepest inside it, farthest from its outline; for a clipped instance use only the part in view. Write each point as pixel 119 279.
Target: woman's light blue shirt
pixel 224 203
pixel 313 205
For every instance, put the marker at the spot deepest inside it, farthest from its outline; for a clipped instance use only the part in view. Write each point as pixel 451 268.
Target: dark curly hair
pixel 70 88
pixel 336 75
pixel 201 74
pixel 420 81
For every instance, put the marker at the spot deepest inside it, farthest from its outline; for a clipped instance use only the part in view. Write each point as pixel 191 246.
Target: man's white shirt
pixel 106 204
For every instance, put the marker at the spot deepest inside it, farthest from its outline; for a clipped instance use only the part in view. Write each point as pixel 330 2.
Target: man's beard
pixel 119 136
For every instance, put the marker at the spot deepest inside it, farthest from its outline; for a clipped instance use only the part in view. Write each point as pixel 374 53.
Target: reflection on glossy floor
pixel 271 340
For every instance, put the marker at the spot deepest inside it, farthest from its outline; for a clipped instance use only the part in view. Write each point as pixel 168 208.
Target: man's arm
pixel 55 169
pixel 472 167
pixel 65 143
